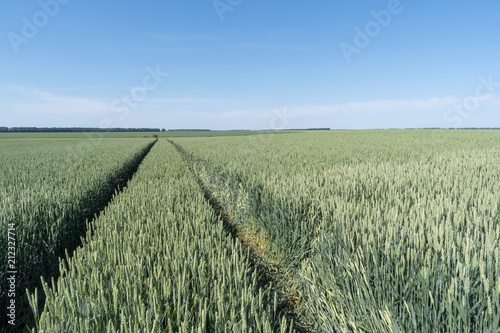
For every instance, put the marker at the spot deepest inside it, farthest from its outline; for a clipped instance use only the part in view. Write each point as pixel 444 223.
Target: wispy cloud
pixel 189 100
pixel 180 37
pixel 492 100
pixel 273 46
pixel 94 87
pixel 12 88
pixel 248 45
pixel 376 107
pixel 54 108
pixel 223 115
pixel 24 101
pixel 39 101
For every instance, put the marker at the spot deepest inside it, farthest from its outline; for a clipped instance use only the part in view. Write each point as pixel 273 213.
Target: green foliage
pixel 48 191
pixel 159 260
pixel 364 231
pixel 377 231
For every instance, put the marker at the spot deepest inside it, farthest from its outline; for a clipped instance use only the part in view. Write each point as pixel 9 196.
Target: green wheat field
pixel 305 231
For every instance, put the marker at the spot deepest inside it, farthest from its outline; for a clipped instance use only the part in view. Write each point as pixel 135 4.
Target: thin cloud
pixel 223 115
pixel 52 104
pixel 376 107
pixel 28 101
pixel 180 37
pixel 274 46
pixel 104 86
pixel 247 45
pixel 189 100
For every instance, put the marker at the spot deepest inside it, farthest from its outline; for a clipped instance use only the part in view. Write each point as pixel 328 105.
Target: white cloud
pixel 21 105
pixel 376 107
pixel 38 101
pixel 25 101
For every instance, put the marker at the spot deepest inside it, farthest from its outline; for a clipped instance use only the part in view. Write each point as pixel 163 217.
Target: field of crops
pixel 378 231
pixel 352 231
pixel 159 260
pixel 48 190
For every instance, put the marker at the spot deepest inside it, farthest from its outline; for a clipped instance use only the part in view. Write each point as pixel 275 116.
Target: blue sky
pixel 240 64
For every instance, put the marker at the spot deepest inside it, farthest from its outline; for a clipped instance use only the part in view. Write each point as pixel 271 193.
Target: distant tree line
pixel 73 129
pixel 453 128
pixel 311 129
pixel 4 129
pixel 189 130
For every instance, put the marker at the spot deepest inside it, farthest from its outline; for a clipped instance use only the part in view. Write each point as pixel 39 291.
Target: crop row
pixel 381 231
pixel 156 260
pixel 48 191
